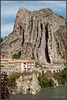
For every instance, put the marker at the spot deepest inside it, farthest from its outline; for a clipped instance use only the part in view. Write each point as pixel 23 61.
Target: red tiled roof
pixel 14 61
pixel 25 60
pixel 5 58
pixel 31 60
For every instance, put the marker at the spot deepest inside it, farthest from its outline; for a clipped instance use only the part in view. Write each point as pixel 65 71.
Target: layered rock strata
pixel 39 35
pixel 26 84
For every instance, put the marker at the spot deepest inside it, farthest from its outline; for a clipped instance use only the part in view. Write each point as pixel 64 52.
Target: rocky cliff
pixel 26 84
pixel 39 35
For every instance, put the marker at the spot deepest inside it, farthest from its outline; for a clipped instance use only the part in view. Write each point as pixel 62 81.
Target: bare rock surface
pixel 27 84
pixel 39 35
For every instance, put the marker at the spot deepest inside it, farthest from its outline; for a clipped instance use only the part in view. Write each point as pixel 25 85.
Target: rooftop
pixel 18 60
pixel 5 58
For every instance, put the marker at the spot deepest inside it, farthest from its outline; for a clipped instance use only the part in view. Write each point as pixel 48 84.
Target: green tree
pixel 61 76
pixel 19 53
pixel 16 56
pixel 44 81
pixel 42 73
pixel 39 78
pixel 51 83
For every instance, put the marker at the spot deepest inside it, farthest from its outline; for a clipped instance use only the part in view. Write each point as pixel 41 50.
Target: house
pixel 25 65
pixel 17 65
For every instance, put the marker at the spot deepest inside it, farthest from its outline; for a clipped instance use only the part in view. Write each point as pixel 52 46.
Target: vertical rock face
pixel 39 35
pixel 27 84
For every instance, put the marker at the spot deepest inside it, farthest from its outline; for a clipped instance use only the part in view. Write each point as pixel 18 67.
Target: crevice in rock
pixel 37 31
pixel 37 35
pixel 20 29
pixel 31 26
pixel 41 25
pixel 40 42
pixel 46 48
pixel 23 37
pixel 30 35
pixel 37 55
pixel 31 23
pixel 28 90
pixel 35 45
pixel 58 48
pixel 33 54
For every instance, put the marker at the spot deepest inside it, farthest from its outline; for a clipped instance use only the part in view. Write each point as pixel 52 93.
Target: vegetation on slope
pixel 38 65
pixel 44 81
pixel 12 79
pixel 61 77
pixel 16 56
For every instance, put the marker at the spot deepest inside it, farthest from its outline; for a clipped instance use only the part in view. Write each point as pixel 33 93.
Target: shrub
pixel 13 78
pixel 42 73
pixel 17 55
pixel 39 78
pixel 51 83
pixel 20 53
pixel 38 65
pixel 44 81
pixel 61 76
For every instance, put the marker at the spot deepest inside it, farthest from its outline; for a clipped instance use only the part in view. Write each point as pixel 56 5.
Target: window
pixel 28 63
pixel 32 64
pixel 28 66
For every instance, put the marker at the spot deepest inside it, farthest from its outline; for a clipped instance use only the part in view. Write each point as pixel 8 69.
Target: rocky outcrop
pixel 39 35
pixel 27 84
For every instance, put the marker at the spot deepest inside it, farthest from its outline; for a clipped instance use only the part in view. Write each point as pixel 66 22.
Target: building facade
pixel 17 65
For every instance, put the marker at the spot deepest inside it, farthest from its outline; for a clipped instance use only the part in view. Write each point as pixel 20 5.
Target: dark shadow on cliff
pixel 23 37
pixel 46 47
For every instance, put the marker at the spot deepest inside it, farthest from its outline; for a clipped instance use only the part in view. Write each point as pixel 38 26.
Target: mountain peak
pixel 38 36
